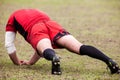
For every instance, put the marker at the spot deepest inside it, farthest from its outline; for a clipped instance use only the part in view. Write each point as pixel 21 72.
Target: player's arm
pixel 34 58
pixel 11 49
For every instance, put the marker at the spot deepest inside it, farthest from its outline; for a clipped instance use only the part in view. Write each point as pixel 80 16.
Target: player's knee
pixel 48 54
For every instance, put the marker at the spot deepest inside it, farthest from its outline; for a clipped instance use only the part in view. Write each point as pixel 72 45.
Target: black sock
pixel 94 53
pixel 49 54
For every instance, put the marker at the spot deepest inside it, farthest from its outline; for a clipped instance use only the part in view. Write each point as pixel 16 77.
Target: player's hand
pixel 24 62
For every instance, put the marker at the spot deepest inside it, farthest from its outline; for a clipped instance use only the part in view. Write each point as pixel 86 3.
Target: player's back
pixel 28 17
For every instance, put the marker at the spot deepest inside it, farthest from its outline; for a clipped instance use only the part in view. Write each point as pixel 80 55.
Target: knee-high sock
pixel 94 53
pixel 49 54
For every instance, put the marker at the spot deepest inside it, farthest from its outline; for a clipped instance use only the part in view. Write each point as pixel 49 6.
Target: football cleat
pixel 113 66
pixel 56 70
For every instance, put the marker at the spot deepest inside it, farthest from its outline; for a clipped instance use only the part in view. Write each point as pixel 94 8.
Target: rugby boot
pixel 56 70
pixel 113 66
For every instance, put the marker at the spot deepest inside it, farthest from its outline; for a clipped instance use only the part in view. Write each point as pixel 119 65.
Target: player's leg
pixel 39 39
pixel 75 46
pixel 44 47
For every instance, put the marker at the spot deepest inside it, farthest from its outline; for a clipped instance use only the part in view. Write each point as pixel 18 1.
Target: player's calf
pixel 49 54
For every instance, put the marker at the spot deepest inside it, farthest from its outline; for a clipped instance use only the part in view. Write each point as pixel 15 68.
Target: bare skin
pixel 14 58
pixel 70 43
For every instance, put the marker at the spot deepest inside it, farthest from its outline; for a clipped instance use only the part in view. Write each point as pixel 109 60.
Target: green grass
pixel 94 22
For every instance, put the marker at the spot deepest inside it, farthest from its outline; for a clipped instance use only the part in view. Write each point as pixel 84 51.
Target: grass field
pixel 93 22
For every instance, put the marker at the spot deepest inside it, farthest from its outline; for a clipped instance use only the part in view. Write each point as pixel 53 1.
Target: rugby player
pixel 45 35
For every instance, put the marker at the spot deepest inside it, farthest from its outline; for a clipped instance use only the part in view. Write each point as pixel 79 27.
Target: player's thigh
pixel 43 44
pixel 70 43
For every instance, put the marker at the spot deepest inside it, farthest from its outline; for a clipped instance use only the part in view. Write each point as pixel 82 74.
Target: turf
pixel 93 22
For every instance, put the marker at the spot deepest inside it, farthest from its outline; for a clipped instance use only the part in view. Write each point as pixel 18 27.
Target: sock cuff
pixel 85 49
pixel 81 50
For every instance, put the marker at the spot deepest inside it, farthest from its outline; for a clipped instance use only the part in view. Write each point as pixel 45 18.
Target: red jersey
pixel 23 20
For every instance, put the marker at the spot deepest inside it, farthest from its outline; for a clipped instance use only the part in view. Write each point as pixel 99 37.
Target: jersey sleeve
pixel 10 35
pixel 10 24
